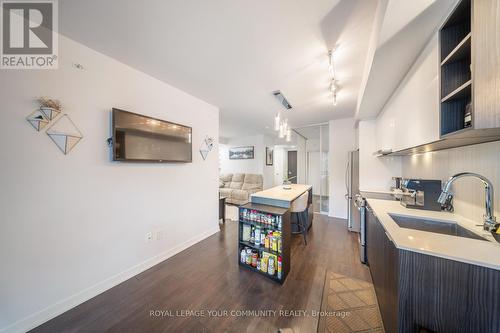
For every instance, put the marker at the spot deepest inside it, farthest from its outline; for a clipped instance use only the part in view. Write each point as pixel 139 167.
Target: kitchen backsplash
pixel 483 159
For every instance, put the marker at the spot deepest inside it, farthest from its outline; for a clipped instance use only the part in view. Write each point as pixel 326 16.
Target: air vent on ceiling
pixel 282 99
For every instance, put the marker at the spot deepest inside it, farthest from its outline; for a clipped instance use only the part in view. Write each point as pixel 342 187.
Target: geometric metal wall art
pixel 50 107
pixel 65 134
pixel 206 147
pixel 38 120
pixel 49 113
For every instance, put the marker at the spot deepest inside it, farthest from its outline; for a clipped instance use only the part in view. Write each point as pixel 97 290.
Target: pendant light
pixel 277 122
pixel 288 135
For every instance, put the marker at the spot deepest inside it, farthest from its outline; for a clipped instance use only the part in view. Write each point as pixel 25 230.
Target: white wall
pixel 73 226
pixel 342 140
pixel 257 165
pixel 375 173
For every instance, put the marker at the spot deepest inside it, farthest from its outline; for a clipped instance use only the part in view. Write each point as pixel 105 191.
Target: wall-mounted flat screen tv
pixel 139 138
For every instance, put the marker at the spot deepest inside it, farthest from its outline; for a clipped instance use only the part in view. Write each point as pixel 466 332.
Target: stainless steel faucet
pixel 490 222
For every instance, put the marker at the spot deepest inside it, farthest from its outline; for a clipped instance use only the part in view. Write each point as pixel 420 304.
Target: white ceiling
pixel 234 53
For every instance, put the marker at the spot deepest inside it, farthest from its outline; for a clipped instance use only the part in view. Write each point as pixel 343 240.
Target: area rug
pixel 348 305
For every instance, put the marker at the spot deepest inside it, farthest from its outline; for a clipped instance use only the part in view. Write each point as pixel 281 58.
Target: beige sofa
pixel 238 187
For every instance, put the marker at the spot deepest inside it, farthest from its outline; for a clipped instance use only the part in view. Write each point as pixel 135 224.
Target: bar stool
pixel 298 206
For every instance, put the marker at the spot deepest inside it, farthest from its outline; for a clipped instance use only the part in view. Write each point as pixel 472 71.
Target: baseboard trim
pixel 341 217
pixel 52 311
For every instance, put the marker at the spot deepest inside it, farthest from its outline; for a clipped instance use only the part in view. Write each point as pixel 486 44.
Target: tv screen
pixel 141 138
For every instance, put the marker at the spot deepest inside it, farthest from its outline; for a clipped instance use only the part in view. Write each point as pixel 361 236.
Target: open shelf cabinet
pixel 273 223
pixel 455 39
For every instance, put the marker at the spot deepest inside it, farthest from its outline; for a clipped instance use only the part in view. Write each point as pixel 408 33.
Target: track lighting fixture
pixel 333 78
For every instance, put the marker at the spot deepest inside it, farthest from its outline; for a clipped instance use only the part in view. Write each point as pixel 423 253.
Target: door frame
pixel 294 181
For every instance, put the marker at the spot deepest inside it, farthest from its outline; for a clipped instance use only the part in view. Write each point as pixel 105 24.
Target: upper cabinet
pixel 411 116
pixel 469 43
pixel 458 104
pixel 486 60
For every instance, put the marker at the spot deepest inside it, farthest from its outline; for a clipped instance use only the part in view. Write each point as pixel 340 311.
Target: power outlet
pixel 149 237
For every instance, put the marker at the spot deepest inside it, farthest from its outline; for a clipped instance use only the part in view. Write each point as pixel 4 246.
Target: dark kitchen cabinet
pixel 383 263
pixel 418 292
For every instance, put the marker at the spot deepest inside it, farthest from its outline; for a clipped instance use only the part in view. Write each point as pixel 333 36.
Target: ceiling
pixel 235 53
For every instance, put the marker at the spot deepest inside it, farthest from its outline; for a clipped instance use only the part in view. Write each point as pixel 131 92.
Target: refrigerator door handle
pixel 346 179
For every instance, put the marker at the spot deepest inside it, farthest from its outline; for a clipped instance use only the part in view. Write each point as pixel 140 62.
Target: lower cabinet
pixel 424 293
pixel 383 261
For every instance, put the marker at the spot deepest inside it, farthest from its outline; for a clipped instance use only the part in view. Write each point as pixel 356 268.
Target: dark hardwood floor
pixel 206 276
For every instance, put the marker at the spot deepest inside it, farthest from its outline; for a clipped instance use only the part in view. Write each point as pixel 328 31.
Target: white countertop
pixel 278 193
pixel 472 251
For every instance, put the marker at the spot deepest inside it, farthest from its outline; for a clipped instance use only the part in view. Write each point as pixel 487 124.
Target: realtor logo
pixel 29 34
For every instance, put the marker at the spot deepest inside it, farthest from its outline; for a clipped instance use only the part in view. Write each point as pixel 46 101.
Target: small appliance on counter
pixel 421 194
pixel 396 183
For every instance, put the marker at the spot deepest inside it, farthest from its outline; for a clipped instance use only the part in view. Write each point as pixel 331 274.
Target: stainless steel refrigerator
pixel 352 188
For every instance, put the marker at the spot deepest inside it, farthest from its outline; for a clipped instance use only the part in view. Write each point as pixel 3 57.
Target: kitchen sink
pixel 437 227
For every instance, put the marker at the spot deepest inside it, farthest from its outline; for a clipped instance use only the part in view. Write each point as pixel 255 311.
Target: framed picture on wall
pixel 241 153
pixel 269 156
